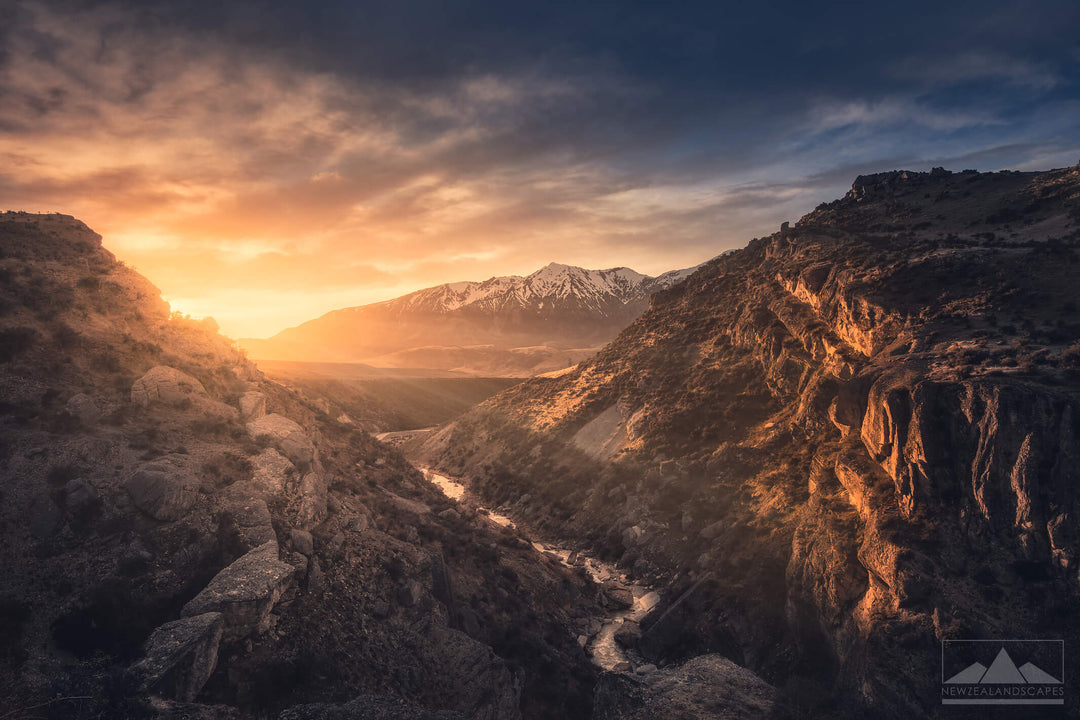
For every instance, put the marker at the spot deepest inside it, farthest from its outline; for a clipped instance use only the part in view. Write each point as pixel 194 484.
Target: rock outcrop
pixel 180 657
pixel 245 592
pixel 863 428
pixel 286 434
pixel 164 489
pixel 272 471
pixel 141 515
pixel 167 386
pixel 709 687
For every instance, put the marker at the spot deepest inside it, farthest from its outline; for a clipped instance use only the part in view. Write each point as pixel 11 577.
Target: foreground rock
pixel 164 489
pixel 709 687
pixel 286 434
pixel 245 592
pixel 181 656
pixel 169 387
pixel 166 385
pixel 245 517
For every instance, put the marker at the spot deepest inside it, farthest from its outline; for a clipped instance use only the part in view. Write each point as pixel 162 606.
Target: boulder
pixel 163 385
pixel 81 500
pixel 245 592
pixel 618 596
pixel 246 517
pixel 163 489
pixel 252 405
pixel 312 500
pixel 302 542
pixel 708 687
pixel 288 436
pixel 271 471
pixel 166 385
pixel 628 634
pixel 649 600
pixel 181 656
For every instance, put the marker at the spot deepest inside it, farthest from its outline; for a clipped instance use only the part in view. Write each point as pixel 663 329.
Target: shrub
pixel 65 336
pixel 1070 356
pixel 15 341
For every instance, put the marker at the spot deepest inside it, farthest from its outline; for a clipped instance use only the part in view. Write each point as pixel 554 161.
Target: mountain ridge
pixel 183 537
pixel 836 447
pixel 558 307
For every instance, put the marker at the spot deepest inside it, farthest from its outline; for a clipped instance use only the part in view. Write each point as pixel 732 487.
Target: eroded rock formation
pixel 860 432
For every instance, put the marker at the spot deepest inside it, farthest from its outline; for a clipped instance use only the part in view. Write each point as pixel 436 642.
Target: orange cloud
pixel 264 194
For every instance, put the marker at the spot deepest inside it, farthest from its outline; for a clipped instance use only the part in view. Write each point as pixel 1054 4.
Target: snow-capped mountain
pixel 556 309
pixel 550 290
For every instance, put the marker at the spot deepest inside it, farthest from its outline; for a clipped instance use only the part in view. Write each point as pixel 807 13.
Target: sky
pixel 264 162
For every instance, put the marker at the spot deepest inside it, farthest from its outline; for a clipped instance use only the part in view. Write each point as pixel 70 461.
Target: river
pixel 604 651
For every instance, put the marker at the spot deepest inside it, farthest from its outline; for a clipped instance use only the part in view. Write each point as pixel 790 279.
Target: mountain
pixel 515 326
pixel 834 448
pixel 182 537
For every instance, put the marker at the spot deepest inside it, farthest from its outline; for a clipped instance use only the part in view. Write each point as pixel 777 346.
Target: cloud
pixel 893 111
pixel 260 159
pixel 972 66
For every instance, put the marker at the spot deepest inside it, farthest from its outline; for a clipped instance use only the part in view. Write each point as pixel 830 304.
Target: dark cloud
pixel 408 142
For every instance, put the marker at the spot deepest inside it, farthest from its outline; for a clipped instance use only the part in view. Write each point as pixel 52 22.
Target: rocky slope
pixel 505 326
pixel 181 537
pixel 838 446
pixel 382 400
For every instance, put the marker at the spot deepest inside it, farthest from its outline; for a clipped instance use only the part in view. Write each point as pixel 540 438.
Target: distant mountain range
pixel 516 326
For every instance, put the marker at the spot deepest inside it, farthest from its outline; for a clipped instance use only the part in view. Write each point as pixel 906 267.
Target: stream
pixel 600 644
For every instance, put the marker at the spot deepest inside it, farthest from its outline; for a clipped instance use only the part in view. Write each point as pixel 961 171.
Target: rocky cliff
pixel 181 537
pixel 837 447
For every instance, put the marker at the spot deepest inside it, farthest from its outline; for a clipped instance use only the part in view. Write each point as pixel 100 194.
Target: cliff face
pixel 181 537
pixel 840 445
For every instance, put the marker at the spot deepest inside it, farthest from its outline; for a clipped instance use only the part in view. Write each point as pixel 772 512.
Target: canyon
pixel 818 457
pixel 836 448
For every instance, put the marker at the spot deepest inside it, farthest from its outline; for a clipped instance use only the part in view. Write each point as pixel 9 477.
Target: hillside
pixel 506 326
pixel 183 538
pixel 378 400
pixel 837 447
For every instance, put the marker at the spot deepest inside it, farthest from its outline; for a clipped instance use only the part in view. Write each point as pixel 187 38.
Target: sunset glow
pixel 259 182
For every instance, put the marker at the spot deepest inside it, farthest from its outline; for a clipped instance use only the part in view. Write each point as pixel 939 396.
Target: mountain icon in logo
pixel 1002 671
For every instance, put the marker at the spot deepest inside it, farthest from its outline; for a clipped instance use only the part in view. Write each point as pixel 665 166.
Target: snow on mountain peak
pixel 553 285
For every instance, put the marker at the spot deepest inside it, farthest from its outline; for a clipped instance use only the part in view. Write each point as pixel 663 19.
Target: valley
pixel 379 400
pixel 774 494
pixel 631 601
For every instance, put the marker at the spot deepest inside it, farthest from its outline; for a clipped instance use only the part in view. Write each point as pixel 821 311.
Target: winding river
pixel 605 652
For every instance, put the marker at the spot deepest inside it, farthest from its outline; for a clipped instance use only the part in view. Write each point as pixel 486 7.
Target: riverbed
pixel 601 645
